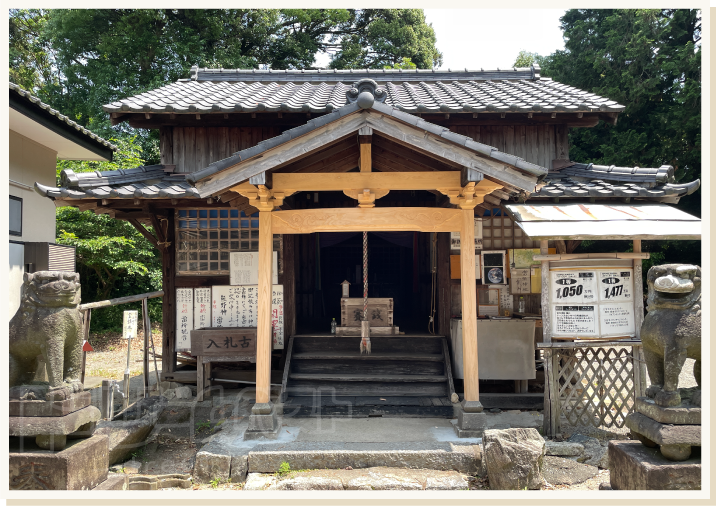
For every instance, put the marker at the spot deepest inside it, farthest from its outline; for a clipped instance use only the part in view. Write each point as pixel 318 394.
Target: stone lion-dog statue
pixel 48 323
pixel 671 331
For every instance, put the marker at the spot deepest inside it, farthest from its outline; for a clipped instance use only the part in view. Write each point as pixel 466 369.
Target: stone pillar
pixel 263 421
pixel 471 421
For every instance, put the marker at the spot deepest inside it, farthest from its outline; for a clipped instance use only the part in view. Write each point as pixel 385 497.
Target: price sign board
pixel 129 325
pixel 575 287
pixel 237 306
pixel 202 308
pixel 592 301
pixel 616 285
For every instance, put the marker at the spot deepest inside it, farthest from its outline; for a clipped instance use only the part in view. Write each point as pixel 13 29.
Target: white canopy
pixel 569 221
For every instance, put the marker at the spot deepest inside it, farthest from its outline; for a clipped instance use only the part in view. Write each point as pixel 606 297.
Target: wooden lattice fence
pixel 592 385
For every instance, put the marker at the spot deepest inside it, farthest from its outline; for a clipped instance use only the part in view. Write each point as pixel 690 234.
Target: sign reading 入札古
pixel 592 302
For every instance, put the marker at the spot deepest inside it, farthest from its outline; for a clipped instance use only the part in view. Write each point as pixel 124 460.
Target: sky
pixel 491 45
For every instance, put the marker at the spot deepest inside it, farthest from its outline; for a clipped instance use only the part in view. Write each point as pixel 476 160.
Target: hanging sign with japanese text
pixel 592 302
pixel 202 308
pixel 237 306
pixel 185 317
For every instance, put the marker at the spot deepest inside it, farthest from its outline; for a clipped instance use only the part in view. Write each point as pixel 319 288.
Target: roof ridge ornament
pixel 365 92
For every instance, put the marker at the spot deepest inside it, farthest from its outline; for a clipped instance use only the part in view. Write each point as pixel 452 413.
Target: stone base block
pixel 466 433
pixel 209 466
pixel 664 434
pixel 53 425
pixel 76 402
pixel 632 466
pixel 81 466
pixel 678 415
pixel 263 422
pixel 470 424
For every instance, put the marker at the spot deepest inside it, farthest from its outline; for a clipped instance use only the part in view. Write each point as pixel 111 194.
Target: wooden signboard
pixel 185 317
pixel 237 306
pixel 220 342
pixel 380 312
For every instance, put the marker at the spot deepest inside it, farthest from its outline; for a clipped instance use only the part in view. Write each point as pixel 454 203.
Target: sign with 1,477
pixel 591 302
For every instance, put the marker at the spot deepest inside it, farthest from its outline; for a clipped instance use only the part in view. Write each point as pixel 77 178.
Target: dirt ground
pixel 109 358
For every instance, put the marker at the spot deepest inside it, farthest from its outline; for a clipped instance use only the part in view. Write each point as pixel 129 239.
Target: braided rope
pixel 365 276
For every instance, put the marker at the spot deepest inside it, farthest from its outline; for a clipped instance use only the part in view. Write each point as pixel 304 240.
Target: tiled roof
pixel 320 121
pixel 663 174
pixel 584 188
pixel 417 91
pixel 26 95
pixel 143 183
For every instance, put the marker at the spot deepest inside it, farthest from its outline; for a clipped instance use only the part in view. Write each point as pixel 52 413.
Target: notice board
pixel 184 317
pixel 593 301
pixel 244 268
pixel 237 306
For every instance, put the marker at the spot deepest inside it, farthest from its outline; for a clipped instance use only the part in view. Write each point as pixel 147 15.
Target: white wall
pixel 17 268
pixel 31 162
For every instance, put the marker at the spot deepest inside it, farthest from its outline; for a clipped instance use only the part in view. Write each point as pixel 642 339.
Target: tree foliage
pixel 102 55
pixel 113 258
pixel 526 59
pixel 650 62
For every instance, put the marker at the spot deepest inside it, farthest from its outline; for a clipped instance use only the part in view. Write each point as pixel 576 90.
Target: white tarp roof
pixel 604 221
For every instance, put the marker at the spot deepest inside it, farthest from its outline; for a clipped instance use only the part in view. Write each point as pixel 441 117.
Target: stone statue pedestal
pixel 674 429
pixel 633 466
pixel 51 422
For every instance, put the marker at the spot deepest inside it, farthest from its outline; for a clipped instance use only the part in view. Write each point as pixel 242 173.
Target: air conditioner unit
pixel 493 267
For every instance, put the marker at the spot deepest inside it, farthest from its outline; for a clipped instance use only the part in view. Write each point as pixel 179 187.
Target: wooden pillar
pixel 469 306
pixel 169 354
pixel 264 338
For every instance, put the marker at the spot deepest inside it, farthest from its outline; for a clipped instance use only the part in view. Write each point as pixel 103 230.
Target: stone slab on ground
pixel 129 435
pixel 560 471
pixel 50 408
pixel 514 458
pixel 563 449
pixel 677 415
pixel 52 425
pixel 664 434
pixel 80 466
pixel 411 455
pixel 633 466
pixel 375 478
pixel 595 454
pixel 114 481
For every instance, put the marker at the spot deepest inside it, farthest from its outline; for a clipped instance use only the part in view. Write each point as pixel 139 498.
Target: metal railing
pixel 148 337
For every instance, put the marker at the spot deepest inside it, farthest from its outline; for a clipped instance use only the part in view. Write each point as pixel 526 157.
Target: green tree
pixel 526 59
pixel 113 258
pixel 30 58
pixel 406 64
pixel 649 61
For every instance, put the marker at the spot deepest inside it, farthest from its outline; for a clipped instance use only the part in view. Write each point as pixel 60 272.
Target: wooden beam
pixel 365 155
pixel 264 338
pixel 385 219
pixel 438 146
pixel 169 355
pixel 140 228
pixel 469 305
pixel 359 180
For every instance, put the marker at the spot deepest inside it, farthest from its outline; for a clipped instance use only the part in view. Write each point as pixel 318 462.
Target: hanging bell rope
pixel 365 326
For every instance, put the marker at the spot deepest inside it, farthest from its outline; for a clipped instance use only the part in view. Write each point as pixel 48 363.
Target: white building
pixel 39 135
